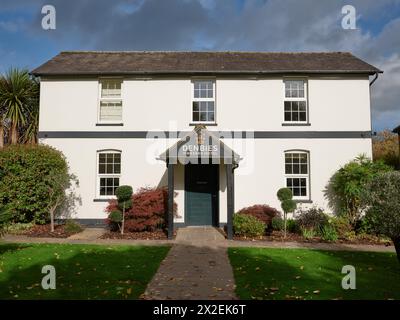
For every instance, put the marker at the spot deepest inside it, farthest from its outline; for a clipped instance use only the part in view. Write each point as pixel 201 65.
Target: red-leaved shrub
pixel 148 211
pixel 262 212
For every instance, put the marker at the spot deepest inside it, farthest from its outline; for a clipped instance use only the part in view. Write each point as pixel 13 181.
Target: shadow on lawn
pixel 11 247
pixel 313 274
pixel 86 273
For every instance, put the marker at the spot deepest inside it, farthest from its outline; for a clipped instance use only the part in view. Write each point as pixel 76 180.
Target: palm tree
pixel 19 97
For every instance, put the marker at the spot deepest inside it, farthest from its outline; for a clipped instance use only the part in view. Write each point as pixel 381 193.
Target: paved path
pixel 197 267
pixel 88 234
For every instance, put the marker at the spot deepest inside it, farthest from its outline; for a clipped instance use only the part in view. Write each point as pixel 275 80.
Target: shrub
pixel 277 223
pixel 385 147
pixel 33 180
pixel 124 193
pixel 148 210
pixel 308 233
pixel 382 199
pixel 365 225
pixel 293 226
pixel 313 218
pixel 247 225
pixel 284 194
pixel 16 228
pixel 348 184
pixel 341 224
pixel 72 226
pixel 328 233
pixel 262 212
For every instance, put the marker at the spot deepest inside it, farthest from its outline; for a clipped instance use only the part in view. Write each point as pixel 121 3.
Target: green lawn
pixel 262 273
pixel 82 271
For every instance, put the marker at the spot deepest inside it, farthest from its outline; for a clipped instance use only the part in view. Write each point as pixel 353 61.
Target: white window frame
pixel 109 99
pixel 106 175
pixel 203 99
pixel 300 175
pixel 293 99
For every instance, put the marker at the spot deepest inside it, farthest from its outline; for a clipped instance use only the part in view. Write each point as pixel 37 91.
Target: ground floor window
pixel 297 173
pixel 109 172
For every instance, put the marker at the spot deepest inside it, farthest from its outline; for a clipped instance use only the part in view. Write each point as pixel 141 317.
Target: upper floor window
pixel 295 105
pixel 203 104
pixel 108 172
pixel 297 173
pixel 110 109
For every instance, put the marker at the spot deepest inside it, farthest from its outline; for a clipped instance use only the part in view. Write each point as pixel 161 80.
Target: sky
pixel 207 25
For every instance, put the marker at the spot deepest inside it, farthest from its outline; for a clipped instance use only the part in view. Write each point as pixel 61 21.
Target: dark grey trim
pixel 101 200
pixel 183 224
pixel 205 124
pixel 234 134
pixel 87 222
pixel 109 124
pixel 285 124
pixel 302 201
pixel 170 214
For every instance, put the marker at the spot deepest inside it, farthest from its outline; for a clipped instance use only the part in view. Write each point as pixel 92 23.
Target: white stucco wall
pixel 256 182
pixel 335 104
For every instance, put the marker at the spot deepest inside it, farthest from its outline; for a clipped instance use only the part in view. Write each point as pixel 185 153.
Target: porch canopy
pixel 201 146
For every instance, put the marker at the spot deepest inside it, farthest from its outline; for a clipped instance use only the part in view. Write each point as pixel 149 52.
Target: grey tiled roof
pixel 168 62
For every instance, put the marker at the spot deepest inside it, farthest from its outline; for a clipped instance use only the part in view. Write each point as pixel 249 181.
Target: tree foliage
pixel 385 147
pixel 382 198
pixel 348 184
pixel 33 181
pixel 19 107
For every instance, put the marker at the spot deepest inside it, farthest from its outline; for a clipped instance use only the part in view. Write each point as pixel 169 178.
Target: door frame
pixel 215 212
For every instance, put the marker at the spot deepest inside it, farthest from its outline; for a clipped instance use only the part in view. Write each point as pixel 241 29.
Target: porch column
pixel 170 219
pixel 230 183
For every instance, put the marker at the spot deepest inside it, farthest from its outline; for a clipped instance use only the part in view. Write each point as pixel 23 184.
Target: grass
pixel 82 271
pixel 262 273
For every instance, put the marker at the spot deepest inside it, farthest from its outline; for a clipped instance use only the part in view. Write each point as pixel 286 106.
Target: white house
pixel 224 130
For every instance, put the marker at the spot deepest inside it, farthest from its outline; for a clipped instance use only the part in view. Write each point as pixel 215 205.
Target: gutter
pixel 374 79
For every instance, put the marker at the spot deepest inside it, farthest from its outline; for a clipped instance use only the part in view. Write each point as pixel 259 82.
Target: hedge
pixel 26 180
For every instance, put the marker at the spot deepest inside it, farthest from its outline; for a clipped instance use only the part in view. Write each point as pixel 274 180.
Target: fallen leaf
pixel 129 290
pixel 316 291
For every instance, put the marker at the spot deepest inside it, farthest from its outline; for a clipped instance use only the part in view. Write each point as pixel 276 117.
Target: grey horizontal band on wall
pixel 222 134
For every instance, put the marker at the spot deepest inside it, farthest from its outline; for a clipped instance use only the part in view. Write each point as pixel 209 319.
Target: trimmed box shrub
pixel 248 225
pixel 277 223
pixel 33 180
pixel 262 212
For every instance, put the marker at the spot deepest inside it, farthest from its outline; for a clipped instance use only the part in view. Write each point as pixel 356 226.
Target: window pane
pixel 203 116
pixel 211 116
pixel 303 116
pixel 195 106
pixel 110 111
pixel 110 88
pixel 102 168
pixel 196 116
pixel 117 168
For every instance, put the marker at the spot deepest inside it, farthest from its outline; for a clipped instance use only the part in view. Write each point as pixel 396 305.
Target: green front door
pixel 201 194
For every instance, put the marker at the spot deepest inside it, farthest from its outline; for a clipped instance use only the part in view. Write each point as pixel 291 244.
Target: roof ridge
pixel 222 51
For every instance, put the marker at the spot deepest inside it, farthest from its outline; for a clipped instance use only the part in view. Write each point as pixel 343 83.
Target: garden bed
pixel 143 235
pixel 293 237
pixel 43 231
